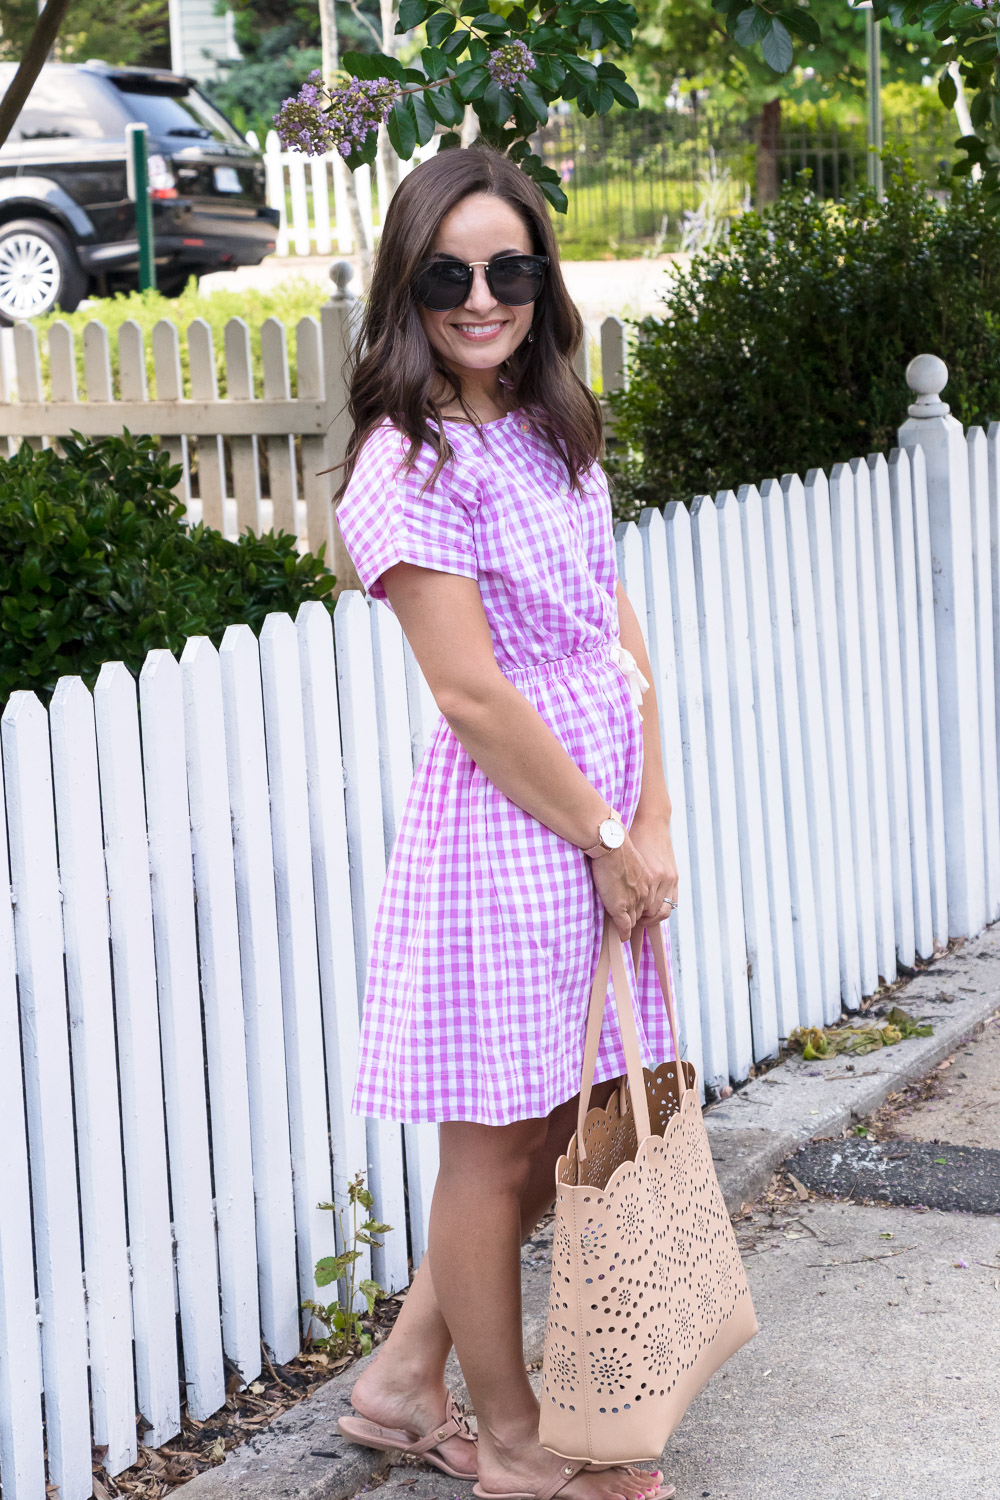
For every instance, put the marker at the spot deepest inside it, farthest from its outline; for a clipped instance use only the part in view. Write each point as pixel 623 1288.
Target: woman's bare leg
pixel 406 1389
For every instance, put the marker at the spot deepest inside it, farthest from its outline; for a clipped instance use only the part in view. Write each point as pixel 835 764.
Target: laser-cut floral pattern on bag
pixel 648 1296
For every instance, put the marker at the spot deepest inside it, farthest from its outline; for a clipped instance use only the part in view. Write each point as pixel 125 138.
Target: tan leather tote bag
pixel 648 1294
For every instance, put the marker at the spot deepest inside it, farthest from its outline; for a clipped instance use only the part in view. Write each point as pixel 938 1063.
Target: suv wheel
pixel 38 271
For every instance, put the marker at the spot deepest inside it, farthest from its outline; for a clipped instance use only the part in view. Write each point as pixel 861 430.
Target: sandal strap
pixel 455 1424
pixel 566 1473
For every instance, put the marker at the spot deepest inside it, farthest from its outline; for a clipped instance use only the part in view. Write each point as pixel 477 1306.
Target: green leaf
pixel 372 65
pixel 424 119
pixel 776 47
pixel 623 92
pixel 979 109
pixel 374 1227
pixel 435 63
pixel 472 81
pixel 455 45
pixel 412 12
pixel 555 195
pixel 401 126
pixel 750 25
pixel 617 28
pixel 532 97
pixel 444 106
pixel 440 26
pixel 499 105
pixel 370 1290
pixel 801 23
pixel 450 141
pixel 488 22
pixel 947 90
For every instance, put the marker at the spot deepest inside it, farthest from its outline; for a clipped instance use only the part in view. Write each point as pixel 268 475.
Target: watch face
pixel 612 833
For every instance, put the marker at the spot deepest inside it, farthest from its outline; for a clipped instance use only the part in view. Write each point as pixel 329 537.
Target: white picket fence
pixel 310 193
pixel 196 862
pixel 257 457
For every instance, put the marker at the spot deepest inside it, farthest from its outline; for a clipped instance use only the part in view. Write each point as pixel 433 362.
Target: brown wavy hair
pixel 396 370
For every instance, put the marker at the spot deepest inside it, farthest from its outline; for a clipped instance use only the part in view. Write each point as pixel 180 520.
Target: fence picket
pixel 709 596
pixel 332 893
pixel 260 969
pixel 168 816
pixel 169 387
pixel 359 731
pixel 300 203
pixel 816 764
pixel 274 179
pixel 780 643
pixel 662 660
pixel 993 505
pixel 697 789
pixel 245 458
pixel 45 1041
pixel 816 514
pixel 211 453
pixel 396 763
pixel 137 1022
pixel 221 984
pixel 425 716
pixel 843 524
pixel 614 355
pixel 280 450
pixel 987 663
pixel 785 907
pixel 316 487
pixel 898 806
pixel 904 550
pixel 871 681
pixel 97 362
pixel 319 182
pixel 294 895
pixel 22 1448
pixel 28 369
pixel 132 362
pixel 720 534
pixel 62 362
pixel 95 1075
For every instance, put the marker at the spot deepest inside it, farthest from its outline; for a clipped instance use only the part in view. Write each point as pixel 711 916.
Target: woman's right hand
pixel 624 883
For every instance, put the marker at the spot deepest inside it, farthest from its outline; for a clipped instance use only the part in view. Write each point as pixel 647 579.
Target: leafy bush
pixel 96 564
pixel 288 301
pixel 786 348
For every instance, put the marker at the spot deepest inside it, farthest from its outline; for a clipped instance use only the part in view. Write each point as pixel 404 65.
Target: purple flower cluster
pixel 510 65
pixel 319 120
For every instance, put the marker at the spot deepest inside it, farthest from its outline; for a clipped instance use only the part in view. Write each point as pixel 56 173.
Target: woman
pixel 475 508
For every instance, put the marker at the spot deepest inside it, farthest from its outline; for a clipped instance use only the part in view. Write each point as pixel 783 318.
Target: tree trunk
pixel 330 64
pixel 388 160
pixel 469 129
pixel 766 138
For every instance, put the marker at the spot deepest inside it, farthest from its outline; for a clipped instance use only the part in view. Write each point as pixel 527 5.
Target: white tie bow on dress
pixel 636 681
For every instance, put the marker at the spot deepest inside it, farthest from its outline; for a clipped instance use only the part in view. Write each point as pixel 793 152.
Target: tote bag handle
pixel 612 958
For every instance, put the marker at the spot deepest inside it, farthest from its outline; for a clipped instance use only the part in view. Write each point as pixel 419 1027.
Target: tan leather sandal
pixel 358 1429
pixel 566 1473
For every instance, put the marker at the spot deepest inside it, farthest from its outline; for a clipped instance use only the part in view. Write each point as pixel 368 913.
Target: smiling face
pixel 475 338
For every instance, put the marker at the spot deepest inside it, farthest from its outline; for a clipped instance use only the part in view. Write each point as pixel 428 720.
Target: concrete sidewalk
pixel 874 1374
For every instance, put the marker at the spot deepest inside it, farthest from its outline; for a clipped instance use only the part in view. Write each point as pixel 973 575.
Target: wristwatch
pixel 610 835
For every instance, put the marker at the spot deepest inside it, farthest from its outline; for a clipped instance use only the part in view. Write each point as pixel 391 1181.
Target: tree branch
pixel 38 48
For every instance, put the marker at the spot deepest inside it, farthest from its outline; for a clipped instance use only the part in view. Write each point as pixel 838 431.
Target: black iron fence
pixel 645 179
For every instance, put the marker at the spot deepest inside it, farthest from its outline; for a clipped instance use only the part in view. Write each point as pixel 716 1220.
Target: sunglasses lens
pixel 516 280
pixel 443 285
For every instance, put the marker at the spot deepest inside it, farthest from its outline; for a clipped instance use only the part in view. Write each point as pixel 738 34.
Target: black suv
pixel 66 227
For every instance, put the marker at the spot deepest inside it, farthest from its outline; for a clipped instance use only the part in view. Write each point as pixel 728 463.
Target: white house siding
pixel 199 37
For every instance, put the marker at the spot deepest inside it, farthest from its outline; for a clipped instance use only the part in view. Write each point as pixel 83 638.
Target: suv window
pixel 188 115
pixel 64 105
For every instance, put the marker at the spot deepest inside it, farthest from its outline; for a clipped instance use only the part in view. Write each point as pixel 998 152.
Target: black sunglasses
pixel 514 280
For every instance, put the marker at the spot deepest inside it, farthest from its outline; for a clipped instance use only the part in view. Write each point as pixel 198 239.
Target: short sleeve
pixel 386 516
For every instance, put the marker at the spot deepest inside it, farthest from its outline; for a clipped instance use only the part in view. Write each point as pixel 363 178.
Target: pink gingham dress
pixel 489 924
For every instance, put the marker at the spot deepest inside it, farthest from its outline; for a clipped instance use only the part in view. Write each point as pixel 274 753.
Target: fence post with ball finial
pixel 949 506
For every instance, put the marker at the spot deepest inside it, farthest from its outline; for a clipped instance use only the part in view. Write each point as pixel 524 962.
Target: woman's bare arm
pixel 443 619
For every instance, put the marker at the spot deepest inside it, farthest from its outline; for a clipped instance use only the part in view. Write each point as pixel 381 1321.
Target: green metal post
pixel 873 68
pixel 137 174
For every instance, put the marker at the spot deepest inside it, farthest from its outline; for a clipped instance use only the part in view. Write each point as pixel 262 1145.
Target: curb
pixel 301 1455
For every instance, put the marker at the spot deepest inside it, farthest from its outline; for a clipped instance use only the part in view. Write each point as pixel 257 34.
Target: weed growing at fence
pixel 344 1324
pixel 288 301
pixel 785 349
pixel 97 564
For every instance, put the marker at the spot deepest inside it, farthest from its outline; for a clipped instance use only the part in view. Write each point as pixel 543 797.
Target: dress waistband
pixel 607 653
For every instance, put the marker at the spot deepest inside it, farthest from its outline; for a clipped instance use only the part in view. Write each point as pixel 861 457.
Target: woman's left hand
pixel 651 835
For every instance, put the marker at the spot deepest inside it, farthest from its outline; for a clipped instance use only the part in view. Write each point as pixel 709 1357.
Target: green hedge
pixel 785 350
pixel 96 564
pixel 288 301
